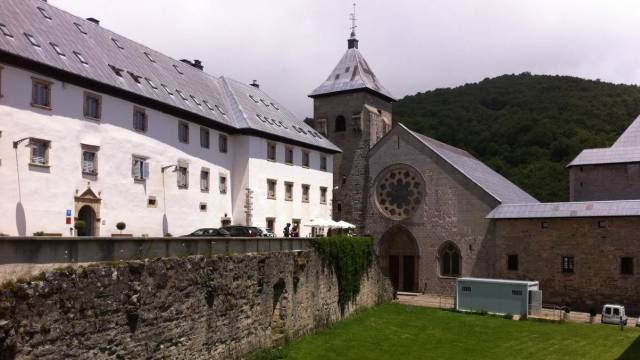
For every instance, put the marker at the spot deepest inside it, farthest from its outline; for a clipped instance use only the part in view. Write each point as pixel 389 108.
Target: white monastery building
pixel 99 128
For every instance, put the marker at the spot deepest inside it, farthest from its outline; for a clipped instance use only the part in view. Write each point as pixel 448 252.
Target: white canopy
pixel 328 223
pixel 345 225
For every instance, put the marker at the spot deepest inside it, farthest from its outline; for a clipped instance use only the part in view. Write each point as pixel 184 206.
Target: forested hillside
pixel 527 127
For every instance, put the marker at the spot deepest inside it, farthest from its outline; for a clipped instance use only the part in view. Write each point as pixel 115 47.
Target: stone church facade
pixel 436 213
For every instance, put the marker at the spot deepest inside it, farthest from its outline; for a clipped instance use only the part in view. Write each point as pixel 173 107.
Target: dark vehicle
pixel 242 231
pixel 209 232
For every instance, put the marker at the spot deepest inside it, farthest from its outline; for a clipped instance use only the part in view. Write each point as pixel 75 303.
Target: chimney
pixel 255 84
pixel 196 63
pixel 94 20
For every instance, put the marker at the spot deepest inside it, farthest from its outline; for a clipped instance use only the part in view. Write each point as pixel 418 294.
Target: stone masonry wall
pixel 597 252
pixel 195 307
pixel 605 182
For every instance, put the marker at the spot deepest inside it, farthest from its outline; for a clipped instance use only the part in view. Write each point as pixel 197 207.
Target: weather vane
pixel 352 17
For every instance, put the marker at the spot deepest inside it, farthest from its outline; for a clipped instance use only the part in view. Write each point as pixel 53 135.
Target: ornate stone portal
pixel 399 191
pixel 87 208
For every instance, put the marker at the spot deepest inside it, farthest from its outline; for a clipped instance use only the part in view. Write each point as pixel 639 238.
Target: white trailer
pixel 498 296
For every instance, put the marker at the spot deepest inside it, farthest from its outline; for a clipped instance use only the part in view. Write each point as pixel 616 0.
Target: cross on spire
pixel 353 41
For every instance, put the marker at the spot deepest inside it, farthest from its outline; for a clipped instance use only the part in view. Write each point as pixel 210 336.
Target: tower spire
pixel 353 41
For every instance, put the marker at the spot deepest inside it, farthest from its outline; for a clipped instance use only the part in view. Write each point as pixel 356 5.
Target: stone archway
pixel 399 256
pixel 87 208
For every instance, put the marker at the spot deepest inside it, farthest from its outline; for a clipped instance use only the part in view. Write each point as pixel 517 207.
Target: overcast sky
pixel 290 46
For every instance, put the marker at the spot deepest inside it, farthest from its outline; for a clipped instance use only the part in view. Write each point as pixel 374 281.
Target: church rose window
pixel 399 191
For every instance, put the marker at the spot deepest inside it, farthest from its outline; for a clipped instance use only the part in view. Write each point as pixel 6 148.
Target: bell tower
pixel 353 110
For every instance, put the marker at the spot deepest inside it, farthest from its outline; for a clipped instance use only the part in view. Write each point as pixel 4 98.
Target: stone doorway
pixel 87 209
pixel 399 255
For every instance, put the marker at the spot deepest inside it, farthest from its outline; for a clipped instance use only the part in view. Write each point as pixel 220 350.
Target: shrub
pixel 508 316
pixel 38 233
pixel 121 226
pixel 349 258
pixel 79 225
pixel 593 311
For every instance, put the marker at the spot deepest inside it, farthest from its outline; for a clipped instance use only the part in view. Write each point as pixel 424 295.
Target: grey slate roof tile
pixel 100 51
pixel 490 181
pixel 351 73
pixel 567 209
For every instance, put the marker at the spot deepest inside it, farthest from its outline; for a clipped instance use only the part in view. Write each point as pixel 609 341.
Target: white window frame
pixel 139 168
pixel 37 159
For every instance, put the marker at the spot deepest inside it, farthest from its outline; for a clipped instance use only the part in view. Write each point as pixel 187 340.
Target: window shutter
pixel 135 169
pixel 145 170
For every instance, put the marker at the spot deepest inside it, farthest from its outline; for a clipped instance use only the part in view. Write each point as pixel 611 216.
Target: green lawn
pixel 395 331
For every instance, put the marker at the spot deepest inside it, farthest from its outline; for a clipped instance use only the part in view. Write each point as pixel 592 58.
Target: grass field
pixel 395 331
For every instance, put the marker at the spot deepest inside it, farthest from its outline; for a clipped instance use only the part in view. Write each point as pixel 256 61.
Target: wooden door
pixel 408 273
pixel 394 271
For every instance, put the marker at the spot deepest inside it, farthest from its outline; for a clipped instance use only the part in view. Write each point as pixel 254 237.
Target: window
pixel 356 122
pixel 305 158
pixel 182 95
pixel 139 168
pixel 115 41
pixel 602 224
pixel 512 262
pixel 183 176
pixel 152 202
pixel 223 184
pixel 221 110
pixel 449 257
pixel 149 57
pixel 323 195
pixel 305 193
pixel 32 40
pixel 5 31
pixel 204 137
pixel 253 98
pixel 44 13
pixel 195 100
pixel 271 189
pixel 271 151
pixel 80 28
pixel 116 70
pixel 41 93
pixel 178 69
pixel 544 224
pixel 203 206
pixel 271 223
pixel 57 49
pixel 39 152
pixel 466 288
pixel 516 292
pixel 568 264
pixel 81 58
pixel 204 180
pixel 152 84
pixel 89 160
pixel 222 143
pixel 135 77
pixel 139 119
pixel 183 132
pixel 323 163
pixel 288 191
pixel 209 105
pixel 626 266
pixel 341 124
pixel 288 155
pixel 92 105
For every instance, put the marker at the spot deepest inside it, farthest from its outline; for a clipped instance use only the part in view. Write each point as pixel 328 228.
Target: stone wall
pixel 597 252
pixel 195 307
pixel 453 210
pixel 605 182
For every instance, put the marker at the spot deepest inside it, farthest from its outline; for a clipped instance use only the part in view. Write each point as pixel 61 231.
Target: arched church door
pixel 399 257
pixel 88 216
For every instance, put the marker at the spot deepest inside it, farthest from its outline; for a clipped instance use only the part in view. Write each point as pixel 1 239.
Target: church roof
pixel 625 150
pixel 48 40
pixel 490 181
pixel 352 73
pixel 567 209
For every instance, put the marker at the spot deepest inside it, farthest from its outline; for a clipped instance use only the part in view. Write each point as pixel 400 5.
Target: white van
pixel 614 314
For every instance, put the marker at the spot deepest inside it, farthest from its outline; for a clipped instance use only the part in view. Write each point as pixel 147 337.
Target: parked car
pixel 614 314
pixel 266 232
pixel 242 231
pixel 209 232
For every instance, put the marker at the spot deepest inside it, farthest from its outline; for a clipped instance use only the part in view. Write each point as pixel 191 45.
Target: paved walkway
pixel 448 302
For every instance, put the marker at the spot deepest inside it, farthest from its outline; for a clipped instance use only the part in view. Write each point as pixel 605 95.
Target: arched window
pixel 341 124
pixel 449 260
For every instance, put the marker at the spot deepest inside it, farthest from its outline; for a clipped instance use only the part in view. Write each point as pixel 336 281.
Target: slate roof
pixel 143 71
pixel 625 150
pixel 567 210
pixel 490 181
pixel 352 73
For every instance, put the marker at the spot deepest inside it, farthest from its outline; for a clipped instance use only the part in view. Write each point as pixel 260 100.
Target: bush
pixel 508 316
pixel 79 225
pixel 593 311
pixel 121 226
pixel 350 259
